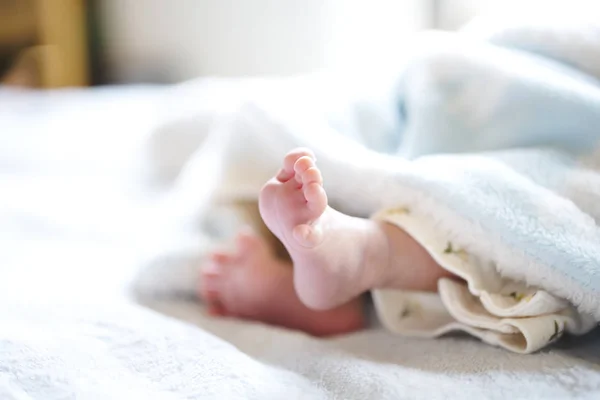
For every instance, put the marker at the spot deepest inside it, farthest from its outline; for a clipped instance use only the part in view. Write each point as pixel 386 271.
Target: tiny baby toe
pixel 246 241
pixel 219 257
pixel 284 176
pixel 209 288
pixel 216 309
pixel 315 196
pixel 302 164
pixel 208 295
pixel 312 175
pixel 211 268
pixel 210 271
pixel 290 159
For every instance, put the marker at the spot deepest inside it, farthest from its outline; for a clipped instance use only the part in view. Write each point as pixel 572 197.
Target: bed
pixel 98 290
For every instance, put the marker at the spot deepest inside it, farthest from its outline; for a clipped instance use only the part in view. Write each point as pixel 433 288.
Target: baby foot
pixel 252 283
pixel 336 257
pixel 292 202
pixel 240 283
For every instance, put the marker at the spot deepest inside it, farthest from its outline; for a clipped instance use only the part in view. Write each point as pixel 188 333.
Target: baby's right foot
pixel 251 283
pixel 336 257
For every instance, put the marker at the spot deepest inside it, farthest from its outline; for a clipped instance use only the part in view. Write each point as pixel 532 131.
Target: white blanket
pixel 85 240
pixel 75 229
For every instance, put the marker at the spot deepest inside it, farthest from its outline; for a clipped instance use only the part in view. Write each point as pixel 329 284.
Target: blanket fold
pixel 499 311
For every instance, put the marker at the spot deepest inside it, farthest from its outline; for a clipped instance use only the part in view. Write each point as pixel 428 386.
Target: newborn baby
pixel 335 258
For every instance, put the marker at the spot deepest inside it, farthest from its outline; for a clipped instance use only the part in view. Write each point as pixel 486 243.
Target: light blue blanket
pixel 531 120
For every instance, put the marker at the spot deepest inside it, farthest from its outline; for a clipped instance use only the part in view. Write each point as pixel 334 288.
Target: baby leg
pixel 338 257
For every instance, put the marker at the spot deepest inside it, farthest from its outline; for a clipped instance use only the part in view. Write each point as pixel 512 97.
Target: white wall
pixel 452 14
pixel 180 39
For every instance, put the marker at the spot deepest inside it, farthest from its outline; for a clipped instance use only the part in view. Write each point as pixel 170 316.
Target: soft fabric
pixel 495 151
pixel 499 311
pixel 80 228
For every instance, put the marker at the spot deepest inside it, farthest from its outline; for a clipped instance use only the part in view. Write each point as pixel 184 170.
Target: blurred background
pixel 57 43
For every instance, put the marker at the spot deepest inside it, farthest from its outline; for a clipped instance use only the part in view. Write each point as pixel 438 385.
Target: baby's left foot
pixel 336 257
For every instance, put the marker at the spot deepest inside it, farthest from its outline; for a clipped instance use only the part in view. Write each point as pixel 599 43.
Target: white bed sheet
pixel 77 225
